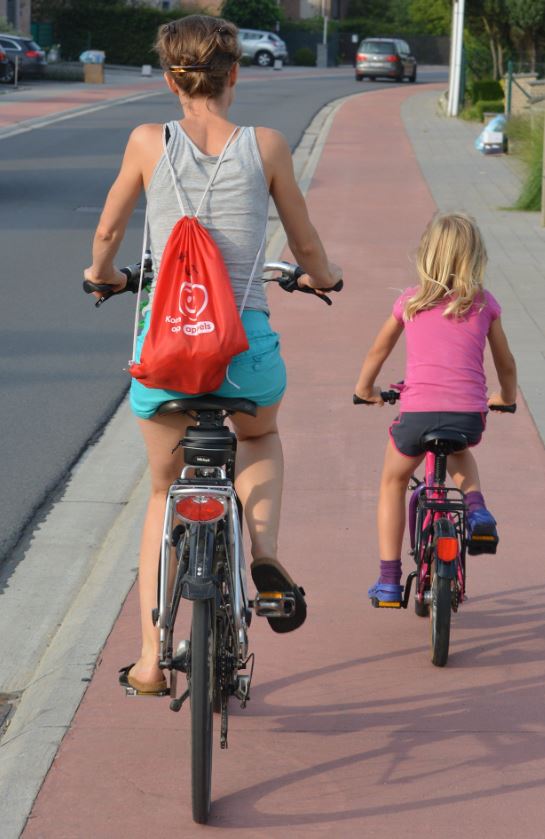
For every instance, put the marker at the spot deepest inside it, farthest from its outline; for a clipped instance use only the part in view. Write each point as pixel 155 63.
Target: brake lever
pixel 290 284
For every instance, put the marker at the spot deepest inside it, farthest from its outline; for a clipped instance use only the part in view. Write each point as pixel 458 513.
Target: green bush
pixel 304 57
pixel 126 34
pixel 525 135
pixel 491 106
pixel 485 90
pixel 479 109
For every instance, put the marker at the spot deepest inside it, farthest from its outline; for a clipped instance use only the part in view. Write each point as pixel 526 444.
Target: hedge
pixel 126 34
pixel 487 90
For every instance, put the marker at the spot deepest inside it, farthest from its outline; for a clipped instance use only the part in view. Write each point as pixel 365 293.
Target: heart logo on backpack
pixel 193 300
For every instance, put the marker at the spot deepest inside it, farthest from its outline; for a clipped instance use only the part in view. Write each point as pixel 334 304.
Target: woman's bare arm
pixel 303 239
pixel 119 205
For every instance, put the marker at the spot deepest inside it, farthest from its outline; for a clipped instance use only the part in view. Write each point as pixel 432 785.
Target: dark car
pixel 3 64
pixel 389 57
pixel 30 57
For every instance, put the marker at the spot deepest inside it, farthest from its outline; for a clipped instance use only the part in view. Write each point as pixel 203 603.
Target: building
pixel 17 13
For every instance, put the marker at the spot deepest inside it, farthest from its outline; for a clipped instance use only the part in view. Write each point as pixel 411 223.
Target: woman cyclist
pixel 200 55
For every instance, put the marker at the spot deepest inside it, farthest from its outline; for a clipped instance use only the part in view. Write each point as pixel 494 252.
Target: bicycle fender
pixel 199 583
pixel 445 569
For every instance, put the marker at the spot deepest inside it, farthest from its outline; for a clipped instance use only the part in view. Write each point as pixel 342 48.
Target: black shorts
pixel 408 428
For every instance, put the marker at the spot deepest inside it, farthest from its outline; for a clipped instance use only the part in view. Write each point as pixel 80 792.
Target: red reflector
pixel 200 508
pixel 32 54
pixel 447 548
pixel 391 58
pixel 361 57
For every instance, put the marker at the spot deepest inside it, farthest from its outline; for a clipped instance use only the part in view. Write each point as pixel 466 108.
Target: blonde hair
pixel 451 261
pixel 198 51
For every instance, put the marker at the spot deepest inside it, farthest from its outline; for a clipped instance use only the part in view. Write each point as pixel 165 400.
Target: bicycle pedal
pixel 385 604
pixel 274 604
pixel 130 691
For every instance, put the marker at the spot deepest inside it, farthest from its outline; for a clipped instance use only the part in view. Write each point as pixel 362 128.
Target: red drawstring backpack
pixel 195 328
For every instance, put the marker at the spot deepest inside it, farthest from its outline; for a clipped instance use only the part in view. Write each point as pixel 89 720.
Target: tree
pixel 528 20
pixel 489 20
pixel 252 14
pixel 432 16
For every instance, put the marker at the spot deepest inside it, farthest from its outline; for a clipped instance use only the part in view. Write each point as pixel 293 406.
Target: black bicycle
pixel 202 561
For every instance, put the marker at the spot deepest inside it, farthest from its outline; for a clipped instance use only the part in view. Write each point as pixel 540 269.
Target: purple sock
pixel 474 501
pixel 390 572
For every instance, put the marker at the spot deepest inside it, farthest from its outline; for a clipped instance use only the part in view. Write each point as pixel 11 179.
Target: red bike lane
pixel 350 730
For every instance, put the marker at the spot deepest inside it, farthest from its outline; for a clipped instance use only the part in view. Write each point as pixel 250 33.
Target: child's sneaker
pixel 482 536
pixel 385 593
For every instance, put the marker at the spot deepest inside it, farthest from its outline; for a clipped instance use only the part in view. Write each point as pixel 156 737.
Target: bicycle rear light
pixel 447 548
pixel 196 508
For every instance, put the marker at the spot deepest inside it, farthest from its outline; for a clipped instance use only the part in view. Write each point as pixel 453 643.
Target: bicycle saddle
pixel 208 403
pixel 443 442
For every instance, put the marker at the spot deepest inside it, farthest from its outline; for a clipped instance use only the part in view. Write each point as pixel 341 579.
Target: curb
pixel 90 533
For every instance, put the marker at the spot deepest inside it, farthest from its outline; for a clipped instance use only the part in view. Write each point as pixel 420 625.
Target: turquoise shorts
pixel 258 374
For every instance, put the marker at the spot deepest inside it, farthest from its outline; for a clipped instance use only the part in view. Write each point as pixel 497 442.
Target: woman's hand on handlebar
pixel 335 276
pixel 115 278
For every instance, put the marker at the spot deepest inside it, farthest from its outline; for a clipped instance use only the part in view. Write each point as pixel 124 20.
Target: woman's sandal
pixel 141 688
pixel 268 575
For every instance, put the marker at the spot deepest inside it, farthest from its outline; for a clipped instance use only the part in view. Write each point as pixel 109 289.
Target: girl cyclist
pixel 446 320
pixel 199 55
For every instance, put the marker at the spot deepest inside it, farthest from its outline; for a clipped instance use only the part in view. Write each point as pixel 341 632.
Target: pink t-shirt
pixel 444 370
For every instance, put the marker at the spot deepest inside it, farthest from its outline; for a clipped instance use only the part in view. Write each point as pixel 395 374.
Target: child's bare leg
pixel 481 525
pixel 462 468
pixel 396 473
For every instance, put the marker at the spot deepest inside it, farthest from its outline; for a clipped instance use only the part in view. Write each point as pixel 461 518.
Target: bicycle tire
pixel 440 614
pixel 421 609
pixel 201 689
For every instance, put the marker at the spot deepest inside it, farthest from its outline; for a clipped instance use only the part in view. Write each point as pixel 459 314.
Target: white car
pixel 262 47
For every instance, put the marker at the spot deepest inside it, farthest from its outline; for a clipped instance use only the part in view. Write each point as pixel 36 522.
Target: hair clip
pixel 189 68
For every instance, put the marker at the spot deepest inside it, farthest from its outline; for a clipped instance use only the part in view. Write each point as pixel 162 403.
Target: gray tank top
pixel 234 212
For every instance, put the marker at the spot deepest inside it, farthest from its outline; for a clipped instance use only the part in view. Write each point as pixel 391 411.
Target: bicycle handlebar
pixel 391 396
pixel 289 275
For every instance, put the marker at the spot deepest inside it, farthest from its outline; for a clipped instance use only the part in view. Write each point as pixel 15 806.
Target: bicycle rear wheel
pixel 440 612
pixel 201 691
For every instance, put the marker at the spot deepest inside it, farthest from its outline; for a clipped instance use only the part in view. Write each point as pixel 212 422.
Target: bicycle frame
pixel 435 502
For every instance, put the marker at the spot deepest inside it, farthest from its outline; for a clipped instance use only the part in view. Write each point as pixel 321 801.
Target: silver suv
pixel 262 47
pixel 389 57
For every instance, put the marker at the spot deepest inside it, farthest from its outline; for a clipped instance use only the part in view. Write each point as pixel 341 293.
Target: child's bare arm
pixel 505 365
pixel 375 358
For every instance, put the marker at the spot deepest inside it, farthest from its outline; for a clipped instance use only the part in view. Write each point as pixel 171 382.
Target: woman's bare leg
pixel 161 435
pixel 260 474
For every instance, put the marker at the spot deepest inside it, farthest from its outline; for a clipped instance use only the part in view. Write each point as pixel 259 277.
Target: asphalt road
pixel 62 363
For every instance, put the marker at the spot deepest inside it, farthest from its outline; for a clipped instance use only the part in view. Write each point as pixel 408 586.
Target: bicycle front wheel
pixel 440 612
pixel 201 691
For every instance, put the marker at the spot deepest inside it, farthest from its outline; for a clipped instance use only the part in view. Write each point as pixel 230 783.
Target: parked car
pixel 262 47
pixel 31 57
pixel 389 57
pixel 3 64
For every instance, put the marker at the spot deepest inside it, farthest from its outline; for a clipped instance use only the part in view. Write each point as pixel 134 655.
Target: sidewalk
pixel 350 730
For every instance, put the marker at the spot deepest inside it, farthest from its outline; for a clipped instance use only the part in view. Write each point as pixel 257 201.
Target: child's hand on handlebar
pixel 497 399
pixel 369 395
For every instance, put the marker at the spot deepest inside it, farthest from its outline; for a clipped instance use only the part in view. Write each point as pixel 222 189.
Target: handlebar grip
pixel 504 409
